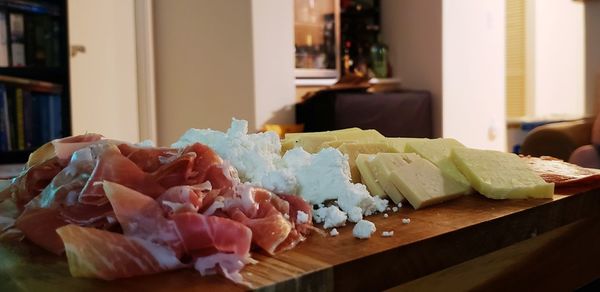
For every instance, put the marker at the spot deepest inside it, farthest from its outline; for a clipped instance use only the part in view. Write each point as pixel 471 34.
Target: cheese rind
pixel 500 175
pixel 366 175
pixel 421 182
pixel 354 149
pixel 438 151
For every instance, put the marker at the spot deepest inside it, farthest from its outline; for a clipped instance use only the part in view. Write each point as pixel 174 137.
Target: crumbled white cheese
pixel 385 215
pixel 315 177
pixel 363 229
pixel 253 155
pixel 380 204
pixel 399 204
pixel 331 216
pixel 387 233
pixel 301 217
pixel 355 214
pixel 395 209
pixel 405 220
pixel 333 232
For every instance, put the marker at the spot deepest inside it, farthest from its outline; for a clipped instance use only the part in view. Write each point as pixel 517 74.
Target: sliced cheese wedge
pixel 382 166
pixel 420 181
pixel 366 175
pixel 438 151
pixel 500 175
pixel 399 143
pixel 353 149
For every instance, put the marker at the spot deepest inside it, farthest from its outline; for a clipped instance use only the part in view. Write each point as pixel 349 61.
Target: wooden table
pixel 439 242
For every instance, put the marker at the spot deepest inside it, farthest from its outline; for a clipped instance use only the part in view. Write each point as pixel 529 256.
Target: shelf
pixel 52 74
pixel 10 157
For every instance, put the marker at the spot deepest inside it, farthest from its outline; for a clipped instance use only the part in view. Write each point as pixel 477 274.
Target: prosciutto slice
pixel 94 253
pixel 563 174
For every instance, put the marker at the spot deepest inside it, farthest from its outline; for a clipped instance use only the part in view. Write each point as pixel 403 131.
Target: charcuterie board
pixel 436 238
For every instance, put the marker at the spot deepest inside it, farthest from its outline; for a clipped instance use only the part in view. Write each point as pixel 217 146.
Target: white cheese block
pixel 421 182
pixel 438 151
pixel 500 175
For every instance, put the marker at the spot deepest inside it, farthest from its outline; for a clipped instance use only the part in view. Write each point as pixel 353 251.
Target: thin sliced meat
pixel 31 182
pixel 64 148
pixel 297 203
pixel 203 235
pixel 112 166
pixel 39 226
pixel 192 167
pixel 141 216
pixel 563 174
pixel 148 159
pixel 184 198
pixel 94 253
pixel 267 232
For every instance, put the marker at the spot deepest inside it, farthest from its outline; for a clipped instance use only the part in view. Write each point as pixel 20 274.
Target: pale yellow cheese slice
pixel 421 182
pixel 500 175
pixel 381 167
pixel 366 175
pixel 399 143
pixel 353 149
pixel 438 151
pixel 313 142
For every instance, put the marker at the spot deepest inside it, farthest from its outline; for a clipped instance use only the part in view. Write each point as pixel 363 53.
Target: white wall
pixel 592 56
pixel 273 49
pixel 104 78
pixel 558 58
pixel 474 72
pixel 221 59
pixel 412 30
pixel 203 65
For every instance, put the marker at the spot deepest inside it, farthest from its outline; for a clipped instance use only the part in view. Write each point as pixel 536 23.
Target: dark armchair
pixel 558 139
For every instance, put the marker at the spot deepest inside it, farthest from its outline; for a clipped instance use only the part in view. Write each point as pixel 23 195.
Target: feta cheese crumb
pixel 286 216
pixel 363 229
pixel 385 215
pixel 380 204
pixel 301 217
pixel 400 205
pixel 387 233
pixel 355 214
pixel 331 216
pixel 405 220
pixel 395 209
pixel 333 232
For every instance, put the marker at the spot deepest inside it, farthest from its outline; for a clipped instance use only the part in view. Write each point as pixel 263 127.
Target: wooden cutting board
pixel 436 238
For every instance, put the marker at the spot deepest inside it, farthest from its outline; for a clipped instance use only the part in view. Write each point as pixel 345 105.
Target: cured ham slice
pixel 39 226
pixel 148 159
pixel 95 253
pixel 141 216
pixel 64 148
pixel 111 165
pixel 563 174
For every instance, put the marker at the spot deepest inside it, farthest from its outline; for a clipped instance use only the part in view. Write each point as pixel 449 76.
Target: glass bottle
pixel 379 59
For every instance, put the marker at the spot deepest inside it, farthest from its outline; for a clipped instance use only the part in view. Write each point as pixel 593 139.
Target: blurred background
pixel 488 71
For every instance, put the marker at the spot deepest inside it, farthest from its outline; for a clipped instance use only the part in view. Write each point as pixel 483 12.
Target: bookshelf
pixel 34 76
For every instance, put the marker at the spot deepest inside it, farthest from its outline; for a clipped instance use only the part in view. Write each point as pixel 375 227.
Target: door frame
pixel 146 82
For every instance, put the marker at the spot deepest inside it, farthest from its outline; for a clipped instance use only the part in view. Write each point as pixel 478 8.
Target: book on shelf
pixel 30 113
pixel 17 39
pixel 3 40
pixel 29 34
